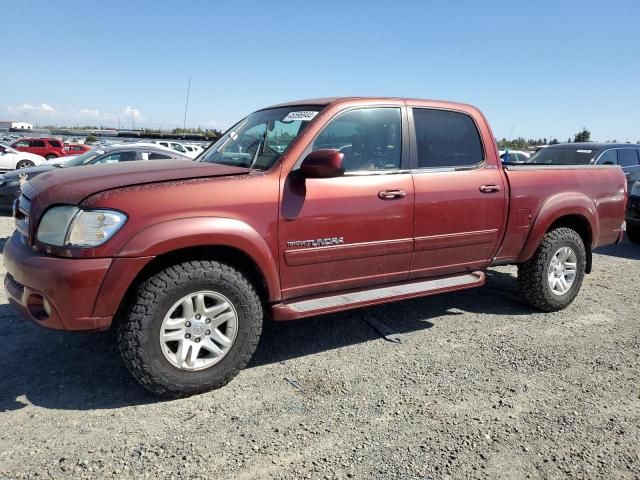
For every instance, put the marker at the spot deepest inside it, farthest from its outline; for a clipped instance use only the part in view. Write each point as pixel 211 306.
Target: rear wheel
pixel 51 156
pixel 24 164
pixel 633 233
pixel 552 278
pixel 190 328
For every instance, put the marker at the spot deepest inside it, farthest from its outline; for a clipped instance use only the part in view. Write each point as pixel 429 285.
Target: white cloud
pixel 43 108
pixel 131 111
pixel 88 112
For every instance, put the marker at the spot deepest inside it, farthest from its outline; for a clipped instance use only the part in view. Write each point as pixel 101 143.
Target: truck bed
pixel 539 194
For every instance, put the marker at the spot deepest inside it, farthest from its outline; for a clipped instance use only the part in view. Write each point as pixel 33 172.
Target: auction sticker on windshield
pixel 301 116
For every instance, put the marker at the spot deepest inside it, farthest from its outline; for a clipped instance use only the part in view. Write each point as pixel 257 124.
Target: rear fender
pixel 184 233
pixel 554 209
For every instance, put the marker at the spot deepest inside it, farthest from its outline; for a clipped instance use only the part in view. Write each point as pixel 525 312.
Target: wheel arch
pixel 570 210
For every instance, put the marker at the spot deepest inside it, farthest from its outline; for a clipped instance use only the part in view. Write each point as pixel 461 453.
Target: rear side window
pixel 628 157
pixel 609 157
pixel 55 143
pixel 37 143
pixel 446 139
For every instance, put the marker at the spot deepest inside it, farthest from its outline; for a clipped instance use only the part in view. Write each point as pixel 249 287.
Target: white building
pixel 6 124
pixel 22 125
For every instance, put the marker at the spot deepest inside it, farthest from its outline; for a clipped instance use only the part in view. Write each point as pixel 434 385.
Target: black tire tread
pixel 532 274
pixel 138 311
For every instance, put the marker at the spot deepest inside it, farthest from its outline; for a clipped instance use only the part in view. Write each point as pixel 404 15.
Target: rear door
pixel 354 230
pixel 39 147
pixel 461 197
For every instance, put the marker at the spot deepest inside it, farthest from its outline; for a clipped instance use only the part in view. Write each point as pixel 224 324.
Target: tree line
pixel 583 135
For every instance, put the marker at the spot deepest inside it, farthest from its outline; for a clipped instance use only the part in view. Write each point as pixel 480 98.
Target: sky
pixel 536 69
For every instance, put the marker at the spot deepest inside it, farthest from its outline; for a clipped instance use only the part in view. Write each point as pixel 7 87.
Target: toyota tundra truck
pixel 300 209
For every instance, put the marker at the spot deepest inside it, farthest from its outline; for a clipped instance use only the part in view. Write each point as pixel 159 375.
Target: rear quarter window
pixel 55 143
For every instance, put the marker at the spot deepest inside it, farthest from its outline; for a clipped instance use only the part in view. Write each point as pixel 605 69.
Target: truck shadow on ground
pixel 627 250
pixel 82 371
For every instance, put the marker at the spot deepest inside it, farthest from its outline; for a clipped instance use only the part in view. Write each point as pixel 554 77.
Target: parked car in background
pixel 76 148
pixel 514 156
pixel 193 150
pixel 177 146
pixel 12 159
pixel 626 155
pixel 632 215
pixel 45 147
pixel 11 182
pixel 360 208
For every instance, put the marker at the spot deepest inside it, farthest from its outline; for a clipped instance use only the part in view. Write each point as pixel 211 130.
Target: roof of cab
pixel 324 101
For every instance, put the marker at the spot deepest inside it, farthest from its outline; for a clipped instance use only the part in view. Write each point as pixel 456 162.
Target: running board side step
pixel 335 302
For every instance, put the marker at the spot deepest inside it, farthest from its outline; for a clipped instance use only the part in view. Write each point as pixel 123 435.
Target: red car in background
pixel 75 148
pixel 45 147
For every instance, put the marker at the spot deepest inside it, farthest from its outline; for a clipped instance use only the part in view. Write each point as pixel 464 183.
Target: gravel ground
pixel 481 387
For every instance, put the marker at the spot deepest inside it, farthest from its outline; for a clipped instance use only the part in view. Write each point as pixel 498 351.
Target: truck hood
pixel 72 185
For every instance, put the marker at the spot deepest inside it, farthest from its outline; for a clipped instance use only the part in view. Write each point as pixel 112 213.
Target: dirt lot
pixel 481 387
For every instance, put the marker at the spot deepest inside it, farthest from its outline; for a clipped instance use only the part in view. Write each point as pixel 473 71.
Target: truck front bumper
pixel 58 293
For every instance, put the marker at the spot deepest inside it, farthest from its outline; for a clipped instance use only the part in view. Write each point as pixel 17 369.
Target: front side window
pixel 369 138
pixel 157 156
pixel 446 139
pixel 178 147
pixel 22 144
pixel 628 157
pixel 259 140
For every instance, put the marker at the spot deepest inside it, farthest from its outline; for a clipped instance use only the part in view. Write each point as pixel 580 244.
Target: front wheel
pixel 552 278
pixel 633 233
pixel 24 164
pixel 190 328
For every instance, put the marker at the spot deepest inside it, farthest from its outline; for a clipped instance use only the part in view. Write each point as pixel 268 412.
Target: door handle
pixel 391 194
pixel 490 188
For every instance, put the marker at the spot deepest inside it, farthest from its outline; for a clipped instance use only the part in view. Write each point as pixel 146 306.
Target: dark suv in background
pixel 45 147
pixel 626 155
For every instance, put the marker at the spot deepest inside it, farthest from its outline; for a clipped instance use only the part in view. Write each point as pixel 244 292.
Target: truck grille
pixel 21 212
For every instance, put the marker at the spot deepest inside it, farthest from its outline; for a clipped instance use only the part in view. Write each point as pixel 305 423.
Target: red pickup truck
pixel 371 200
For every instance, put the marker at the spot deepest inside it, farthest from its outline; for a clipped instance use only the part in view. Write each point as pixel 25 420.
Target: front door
pixel 354 230
pixel 460 198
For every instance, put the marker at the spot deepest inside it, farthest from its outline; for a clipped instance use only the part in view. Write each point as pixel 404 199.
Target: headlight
pixel 635 190
pixel 71 226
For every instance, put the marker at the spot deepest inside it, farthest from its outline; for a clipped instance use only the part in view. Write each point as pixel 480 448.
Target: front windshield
pixel 563 156
pixel 83 159
pixel 259 140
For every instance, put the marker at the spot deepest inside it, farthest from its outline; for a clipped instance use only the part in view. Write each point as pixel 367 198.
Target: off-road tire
pixel 24 164
pixel 633 233
pixel 139 330
pixel 532 275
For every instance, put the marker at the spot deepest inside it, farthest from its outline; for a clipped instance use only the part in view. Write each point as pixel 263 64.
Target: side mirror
pixel 324 163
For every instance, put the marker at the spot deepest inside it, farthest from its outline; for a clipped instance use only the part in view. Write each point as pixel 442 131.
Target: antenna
pixel 186 106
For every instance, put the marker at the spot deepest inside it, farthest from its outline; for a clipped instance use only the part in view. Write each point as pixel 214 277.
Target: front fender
pixel 183 233
pixel 554 208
